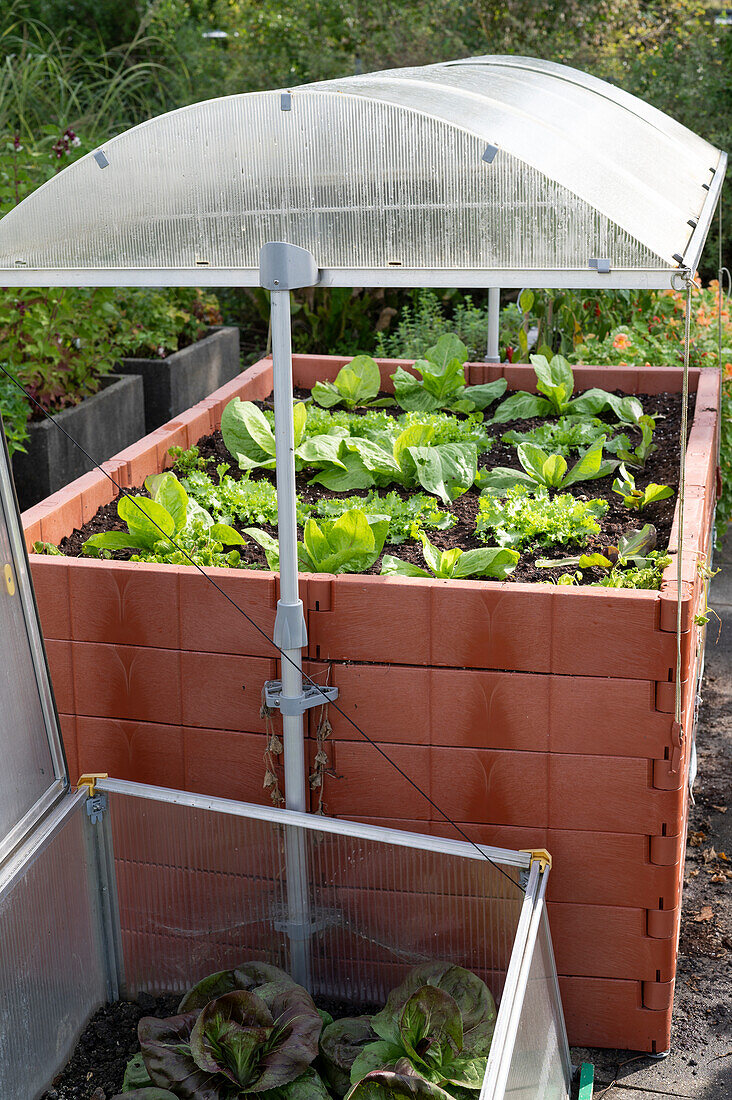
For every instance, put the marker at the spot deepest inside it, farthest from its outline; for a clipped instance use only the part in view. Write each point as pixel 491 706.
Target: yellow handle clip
pixel 89 780
pixel 540 854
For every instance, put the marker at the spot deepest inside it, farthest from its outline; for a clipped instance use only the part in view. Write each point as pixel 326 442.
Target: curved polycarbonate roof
pixel 492 170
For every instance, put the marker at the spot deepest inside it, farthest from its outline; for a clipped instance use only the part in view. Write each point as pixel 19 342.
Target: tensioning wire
pixel 264 634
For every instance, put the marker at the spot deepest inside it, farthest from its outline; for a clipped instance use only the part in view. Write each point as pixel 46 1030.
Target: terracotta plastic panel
pixel 493 626
pixel 603 1012
pixel 503 710
pixel 589 868
pixel 485 786
pixel 627 950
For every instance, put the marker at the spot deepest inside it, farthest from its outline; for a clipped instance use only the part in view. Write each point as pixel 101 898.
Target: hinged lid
pixel 33 772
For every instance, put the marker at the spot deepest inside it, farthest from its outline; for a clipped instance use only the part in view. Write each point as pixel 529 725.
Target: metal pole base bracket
pixel 312 696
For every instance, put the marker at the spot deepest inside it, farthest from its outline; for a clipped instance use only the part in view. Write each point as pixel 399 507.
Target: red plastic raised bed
pixel 536 716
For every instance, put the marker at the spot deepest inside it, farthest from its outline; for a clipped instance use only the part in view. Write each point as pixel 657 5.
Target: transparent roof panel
pixel 494 164
pixel 32 772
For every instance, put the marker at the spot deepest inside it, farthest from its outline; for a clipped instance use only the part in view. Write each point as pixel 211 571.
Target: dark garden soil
pixel 661 467
pixel 96 1068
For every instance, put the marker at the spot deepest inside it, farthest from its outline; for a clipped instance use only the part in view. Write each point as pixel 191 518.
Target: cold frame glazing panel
pixel 537 1068
pixel 31 765
pixel 51 972
pixel 202 890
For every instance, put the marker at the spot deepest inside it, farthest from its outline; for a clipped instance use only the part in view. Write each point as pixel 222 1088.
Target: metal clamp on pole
pixel 312 696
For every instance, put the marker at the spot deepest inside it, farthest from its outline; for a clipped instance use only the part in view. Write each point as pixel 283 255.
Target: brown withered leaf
pixel 718 878
pixel 719 809
pixel 724 856
pixel 697 839
pixel 709 855
pixel 694 873
pixel 706 914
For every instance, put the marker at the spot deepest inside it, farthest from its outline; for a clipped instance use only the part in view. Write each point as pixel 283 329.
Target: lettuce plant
pixel 358 383
pixel 632 548
pixel 637 499
pixel 249 437
pixel 551 471
pixel 349 544
pixel 555 381
pixel 640 454
pixel 442 381
pixel 446 470
pixel 438 1024
pixel 341 1042
pixel 406 515
pixel 573 432
pixel 531 517
pixel 245 500
pixel 401 1083
pixel 154 522
pixel 454 564
pixel 240 1043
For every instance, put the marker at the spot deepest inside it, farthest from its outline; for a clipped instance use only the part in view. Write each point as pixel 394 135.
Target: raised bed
pixel 534 715
pixel 175 383
pixel 103 424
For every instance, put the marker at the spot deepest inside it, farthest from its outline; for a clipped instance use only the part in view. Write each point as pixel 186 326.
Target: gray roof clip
pixel 101 158
pixel 285 101
pixel 692 222
pixel 490 153
pixel 600 264
pixel 679 259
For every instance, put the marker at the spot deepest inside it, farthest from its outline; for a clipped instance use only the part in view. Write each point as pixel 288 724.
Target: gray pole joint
pixel 285 266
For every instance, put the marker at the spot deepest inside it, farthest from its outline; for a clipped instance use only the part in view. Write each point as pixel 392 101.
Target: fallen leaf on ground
pixel 709 855
pixel 697 839
pixel 694 873
pixel 718 878
pixel 724 856
pixel 719 809
pixel 706 914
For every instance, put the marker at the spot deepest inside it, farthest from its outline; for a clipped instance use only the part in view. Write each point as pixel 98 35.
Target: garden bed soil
pixel 662 468
pixel 96 1068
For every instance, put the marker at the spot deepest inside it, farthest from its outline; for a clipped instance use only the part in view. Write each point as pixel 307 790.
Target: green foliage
pixel 56 341
pixel 157 526
pixel 357 383
pixel 637 499
pixel 244 500
pixel 438 1024
pixel 527 517
pixel 642 451
pixel 341 1042
pixel 568 433
pixel 406 516
pixel 551 471
pixel 14 410
pixel 633 563
pixel 425 317
pixel 250 439
pixel 442 382
pixel 154 323
pixel 349 544
pixel 454 564
pixel 186 461
pixel 410 458
pixel 239 1043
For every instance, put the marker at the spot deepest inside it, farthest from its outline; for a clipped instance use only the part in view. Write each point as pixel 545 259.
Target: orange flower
pixel 728 370
pixel 621 341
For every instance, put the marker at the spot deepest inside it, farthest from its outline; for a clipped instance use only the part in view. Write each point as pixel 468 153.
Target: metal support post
pixel 494 311
pixel 283 267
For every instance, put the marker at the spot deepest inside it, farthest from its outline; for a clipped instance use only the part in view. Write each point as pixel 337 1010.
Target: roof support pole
pixel 284 267
pixel 492 354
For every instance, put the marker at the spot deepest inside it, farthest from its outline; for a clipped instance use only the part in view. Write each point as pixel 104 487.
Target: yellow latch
pixel 540 854
pixel 89 780
pixel 9 579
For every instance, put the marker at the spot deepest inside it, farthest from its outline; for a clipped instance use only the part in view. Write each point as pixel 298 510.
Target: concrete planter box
pixel 103 424
pixel 535 715
pixel 174 384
